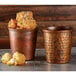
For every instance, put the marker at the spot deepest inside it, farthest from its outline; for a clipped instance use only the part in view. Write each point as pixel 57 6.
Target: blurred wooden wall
pixel 45 16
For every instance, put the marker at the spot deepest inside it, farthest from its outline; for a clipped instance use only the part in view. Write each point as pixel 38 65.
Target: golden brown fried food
pixel 24 20
pixel 28 24
pixel 12 23
pixel 19 58
pixel 11 62
pixel 16 59
pixel 6 57
pixel 26 15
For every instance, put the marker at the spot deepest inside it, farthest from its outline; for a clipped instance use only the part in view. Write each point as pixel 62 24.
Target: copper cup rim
pixel 11 29
pixel 57 29
pixel 64 28
pixel 49 29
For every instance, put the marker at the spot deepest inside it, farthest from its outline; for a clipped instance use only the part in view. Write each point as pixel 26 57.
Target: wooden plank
pixel 4 43
pixel 47 9
pixel 44 13
pixel 42 18
pixel 56 17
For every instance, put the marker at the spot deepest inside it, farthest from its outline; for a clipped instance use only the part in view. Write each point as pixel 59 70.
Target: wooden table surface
pixel 39 64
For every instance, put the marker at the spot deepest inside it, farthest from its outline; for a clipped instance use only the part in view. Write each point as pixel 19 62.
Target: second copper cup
pixel 57 42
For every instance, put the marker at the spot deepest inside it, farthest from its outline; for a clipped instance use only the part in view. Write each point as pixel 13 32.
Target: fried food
pixel 24 20
pixel 11 62
pixel 16 59
pixel 24 15
pixel 12 24
pixel 28 24
pixel 6 57
pixel 19 58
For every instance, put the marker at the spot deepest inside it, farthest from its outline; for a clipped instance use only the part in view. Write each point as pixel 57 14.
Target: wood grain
pixel 43 13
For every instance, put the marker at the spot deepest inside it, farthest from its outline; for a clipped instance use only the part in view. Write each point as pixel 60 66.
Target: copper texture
pixel 64 41
pixel 57 42
pixel 49 43
pixel 23 41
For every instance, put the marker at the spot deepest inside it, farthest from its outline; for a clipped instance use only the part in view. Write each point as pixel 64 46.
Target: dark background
pixel 45 16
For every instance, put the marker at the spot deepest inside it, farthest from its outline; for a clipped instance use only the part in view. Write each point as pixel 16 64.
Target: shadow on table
pixel 40 58
pixel 73 59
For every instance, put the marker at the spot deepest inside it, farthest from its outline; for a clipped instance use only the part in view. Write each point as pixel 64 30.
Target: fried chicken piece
pixel 19 58
pixel 24 20
pixel 16 59
pixel 28 24
pixel 12 23
pixel 26 15
pixel 11 62
pixel 6 57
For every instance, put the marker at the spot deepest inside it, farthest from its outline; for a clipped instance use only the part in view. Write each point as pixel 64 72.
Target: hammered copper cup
pixel 57 42
pixel 49 34
pixel 64 43
pixel 23 41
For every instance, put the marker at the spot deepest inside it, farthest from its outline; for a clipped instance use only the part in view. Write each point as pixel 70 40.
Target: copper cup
pixel 57 42
pixel 64 43
pixel 23 41
pixel 49 34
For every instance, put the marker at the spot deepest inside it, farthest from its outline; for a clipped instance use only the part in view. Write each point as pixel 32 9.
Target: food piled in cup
pixel 24 20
